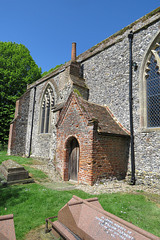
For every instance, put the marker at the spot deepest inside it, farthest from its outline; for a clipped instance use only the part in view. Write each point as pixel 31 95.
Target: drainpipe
pixel 131 64
pixel 30 142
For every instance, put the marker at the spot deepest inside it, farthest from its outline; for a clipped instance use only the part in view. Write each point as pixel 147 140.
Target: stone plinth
pixel 86 219
pixel 13 172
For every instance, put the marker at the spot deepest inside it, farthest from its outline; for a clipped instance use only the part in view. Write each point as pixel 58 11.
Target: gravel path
pixel 109 186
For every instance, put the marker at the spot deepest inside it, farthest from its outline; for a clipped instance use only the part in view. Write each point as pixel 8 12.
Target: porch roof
pixel 94 113
pixel 107 123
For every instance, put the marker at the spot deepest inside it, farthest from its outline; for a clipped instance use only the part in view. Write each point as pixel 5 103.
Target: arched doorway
pixel 73 159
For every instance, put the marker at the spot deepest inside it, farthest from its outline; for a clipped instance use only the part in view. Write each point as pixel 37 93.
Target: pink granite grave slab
pixel 87 220
pixel 7 231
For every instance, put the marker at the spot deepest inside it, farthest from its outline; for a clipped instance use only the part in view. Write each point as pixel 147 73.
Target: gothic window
pixel 152 76
pixel 47 103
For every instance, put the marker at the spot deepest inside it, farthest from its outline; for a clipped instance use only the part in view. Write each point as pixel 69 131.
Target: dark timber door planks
pixel 73 159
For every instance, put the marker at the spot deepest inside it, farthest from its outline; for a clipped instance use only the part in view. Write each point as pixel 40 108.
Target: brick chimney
pixel 73 54
pixel 74 66
pixel 75 74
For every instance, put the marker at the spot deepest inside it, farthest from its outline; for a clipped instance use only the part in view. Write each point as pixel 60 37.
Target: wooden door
pixel 74 160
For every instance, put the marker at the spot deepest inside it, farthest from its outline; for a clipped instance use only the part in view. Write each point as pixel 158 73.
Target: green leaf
pixel 17 69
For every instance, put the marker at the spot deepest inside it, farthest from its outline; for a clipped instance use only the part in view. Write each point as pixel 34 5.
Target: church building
pixel 77 117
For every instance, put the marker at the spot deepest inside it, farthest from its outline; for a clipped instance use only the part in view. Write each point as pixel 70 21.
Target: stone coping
pixel 6 217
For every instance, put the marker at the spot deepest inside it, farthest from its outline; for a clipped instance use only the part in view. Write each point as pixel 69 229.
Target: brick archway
pixel 71 148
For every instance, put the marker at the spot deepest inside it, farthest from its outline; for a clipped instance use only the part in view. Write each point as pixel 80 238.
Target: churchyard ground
pixel 32 203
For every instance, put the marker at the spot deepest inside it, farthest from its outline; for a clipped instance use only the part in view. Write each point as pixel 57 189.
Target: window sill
pixel 44 134
pixel 147 130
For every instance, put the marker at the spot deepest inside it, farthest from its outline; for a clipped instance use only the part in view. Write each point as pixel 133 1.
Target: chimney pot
pixel 73 54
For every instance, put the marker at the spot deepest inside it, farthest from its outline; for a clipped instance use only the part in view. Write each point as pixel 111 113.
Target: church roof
pixel 96 113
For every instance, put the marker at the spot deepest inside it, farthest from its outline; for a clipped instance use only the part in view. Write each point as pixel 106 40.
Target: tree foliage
pixel 17 69
pixel 51 70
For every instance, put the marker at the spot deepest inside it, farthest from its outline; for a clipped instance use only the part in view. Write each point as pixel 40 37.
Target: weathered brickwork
pixel 101 76
pixel 100 155
pixel 75 125
pixel 110 156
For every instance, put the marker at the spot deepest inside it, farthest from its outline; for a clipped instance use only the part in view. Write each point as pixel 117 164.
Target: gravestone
pixel 86 219
pixel 14 172
pixel 7 231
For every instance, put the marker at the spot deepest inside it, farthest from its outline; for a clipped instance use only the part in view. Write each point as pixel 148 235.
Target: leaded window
pixel 47 104
pixel 153 88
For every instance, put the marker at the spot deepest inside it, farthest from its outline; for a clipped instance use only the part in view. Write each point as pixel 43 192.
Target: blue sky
pixel 48 27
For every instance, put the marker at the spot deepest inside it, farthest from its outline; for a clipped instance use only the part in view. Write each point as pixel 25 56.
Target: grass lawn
pixel 31 204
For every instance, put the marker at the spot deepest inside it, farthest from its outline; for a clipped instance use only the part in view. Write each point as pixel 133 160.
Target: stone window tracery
pixel 152 78
pixel 47 103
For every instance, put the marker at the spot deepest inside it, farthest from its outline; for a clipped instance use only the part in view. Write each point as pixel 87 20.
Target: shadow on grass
pixel 10 195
